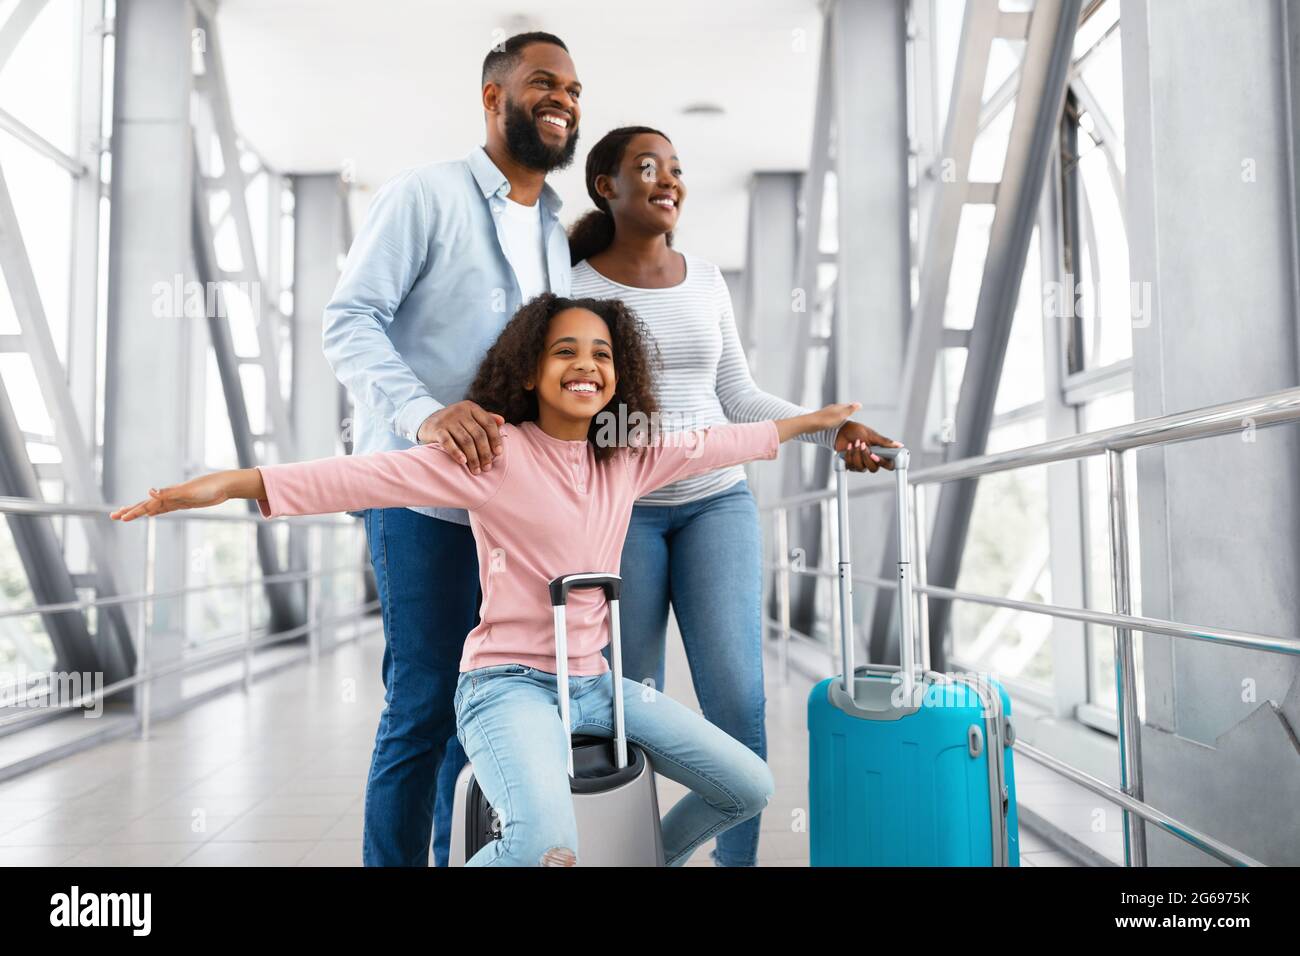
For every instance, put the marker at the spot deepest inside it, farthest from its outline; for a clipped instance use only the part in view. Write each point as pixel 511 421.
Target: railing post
pixel 144 620
pixel 783 588
pixel 250 557
pixel 313 592
pixel 1126 710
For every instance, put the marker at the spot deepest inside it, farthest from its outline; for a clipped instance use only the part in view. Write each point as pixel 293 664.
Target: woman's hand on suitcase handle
pixel 853 438
pixel 856 439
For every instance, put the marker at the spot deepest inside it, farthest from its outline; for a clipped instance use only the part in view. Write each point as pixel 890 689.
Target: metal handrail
pixel 192 662
pixel 145 674
pixel 83 604
pixel 1275 408
pixel 1150 625
pixel 28 506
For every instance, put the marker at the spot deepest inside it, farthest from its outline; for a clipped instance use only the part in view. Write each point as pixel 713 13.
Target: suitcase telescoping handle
pixel 906 635
pixel 560 588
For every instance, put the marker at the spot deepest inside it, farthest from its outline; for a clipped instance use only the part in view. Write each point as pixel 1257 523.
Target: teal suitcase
pixel 907 767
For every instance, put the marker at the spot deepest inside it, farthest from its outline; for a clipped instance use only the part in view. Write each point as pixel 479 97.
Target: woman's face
pixel 575 375
pixel 647 192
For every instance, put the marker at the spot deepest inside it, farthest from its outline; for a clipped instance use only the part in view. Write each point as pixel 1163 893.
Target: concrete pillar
pixel 1211 181
pixel 316 394
pixel 767 326
pixel 873 289
pixel 145 413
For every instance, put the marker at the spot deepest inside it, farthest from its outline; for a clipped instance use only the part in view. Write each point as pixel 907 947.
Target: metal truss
pixel 216 140
pixel 1039 93
pixel 39 545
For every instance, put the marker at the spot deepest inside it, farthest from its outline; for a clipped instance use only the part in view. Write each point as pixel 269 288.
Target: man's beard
pixel 526 145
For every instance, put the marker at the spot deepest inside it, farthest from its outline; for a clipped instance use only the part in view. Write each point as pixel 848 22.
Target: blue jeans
pixel 705 557
pixel 426 572
pixel 508 720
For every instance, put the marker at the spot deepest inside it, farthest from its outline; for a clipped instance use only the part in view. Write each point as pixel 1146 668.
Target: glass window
pixel 1108 303
pixel 1022 367
pixel 1006 555
pixel 25 648
pixel 1116 409
pixel 38 85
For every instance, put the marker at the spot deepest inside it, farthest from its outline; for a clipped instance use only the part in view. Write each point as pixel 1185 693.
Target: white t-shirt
pixel 522 231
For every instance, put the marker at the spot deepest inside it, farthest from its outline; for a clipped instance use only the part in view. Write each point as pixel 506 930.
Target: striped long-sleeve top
pixel 706 378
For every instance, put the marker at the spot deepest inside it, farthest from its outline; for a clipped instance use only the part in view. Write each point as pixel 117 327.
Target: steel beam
pixel 925 333
pixel 286 599
pixel 39 551
pixel 234 182
pixel 1044 72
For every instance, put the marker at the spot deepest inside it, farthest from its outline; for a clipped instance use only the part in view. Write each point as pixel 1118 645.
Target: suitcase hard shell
pixel 916 769
pixel 612 782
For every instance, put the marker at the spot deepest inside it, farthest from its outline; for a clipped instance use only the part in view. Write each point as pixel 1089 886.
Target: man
pixel 447 253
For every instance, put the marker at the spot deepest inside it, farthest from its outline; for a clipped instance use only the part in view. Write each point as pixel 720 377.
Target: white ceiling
pixel 382 85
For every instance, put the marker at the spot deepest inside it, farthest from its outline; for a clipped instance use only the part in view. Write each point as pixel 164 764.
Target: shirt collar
pixel 491 181
pixel 536 430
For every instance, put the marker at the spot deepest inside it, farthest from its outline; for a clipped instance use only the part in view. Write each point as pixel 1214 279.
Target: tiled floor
pixel 277 778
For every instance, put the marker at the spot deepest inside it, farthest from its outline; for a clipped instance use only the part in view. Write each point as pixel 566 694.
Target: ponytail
pixel 591 234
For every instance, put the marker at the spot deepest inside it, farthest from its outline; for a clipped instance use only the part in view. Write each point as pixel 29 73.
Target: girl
pixel 556 500
pixel 695 543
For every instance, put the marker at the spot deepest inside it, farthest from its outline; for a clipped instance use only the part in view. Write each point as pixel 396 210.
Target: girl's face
pixel 648 191
pixel 575 374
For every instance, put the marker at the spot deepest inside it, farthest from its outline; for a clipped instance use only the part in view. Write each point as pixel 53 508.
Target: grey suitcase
pixel 612 782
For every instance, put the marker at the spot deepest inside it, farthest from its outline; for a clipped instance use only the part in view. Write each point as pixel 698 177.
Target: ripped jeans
pixel 508 722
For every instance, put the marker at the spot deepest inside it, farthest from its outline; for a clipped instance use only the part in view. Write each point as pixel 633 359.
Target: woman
pixel 695 543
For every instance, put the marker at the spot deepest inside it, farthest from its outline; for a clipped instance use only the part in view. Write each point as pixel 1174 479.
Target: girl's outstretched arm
pixel 426 475
pixel 681 454
pixel 202 492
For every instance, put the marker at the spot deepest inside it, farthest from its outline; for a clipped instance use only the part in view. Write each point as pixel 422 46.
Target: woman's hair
pixel 595 230
pixel 499 383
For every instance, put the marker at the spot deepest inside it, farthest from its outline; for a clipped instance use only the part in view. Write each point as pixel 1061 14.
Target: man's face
pixel 536 109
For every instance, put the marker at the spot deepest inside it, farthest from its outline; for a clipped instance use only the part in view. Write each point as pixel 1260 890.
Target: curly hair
pixel 498 385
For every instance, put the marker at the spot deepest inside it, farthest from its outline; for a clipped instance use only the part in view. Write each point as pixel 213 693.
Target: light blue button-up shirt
pixel 426 290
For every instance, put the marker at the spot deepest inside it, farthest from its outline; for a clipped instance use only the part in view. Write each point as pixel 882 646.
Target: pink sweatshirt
pixel 546 508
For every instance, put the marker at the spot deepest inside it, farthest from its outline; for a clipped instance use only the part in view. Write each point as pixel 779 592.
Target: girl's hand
pixel 202 492
pixel 831 416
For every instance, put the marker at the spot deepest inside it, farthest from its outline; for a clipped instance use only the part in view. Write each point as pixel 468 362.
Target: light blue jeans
pixel 508 721
pixel 706 559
